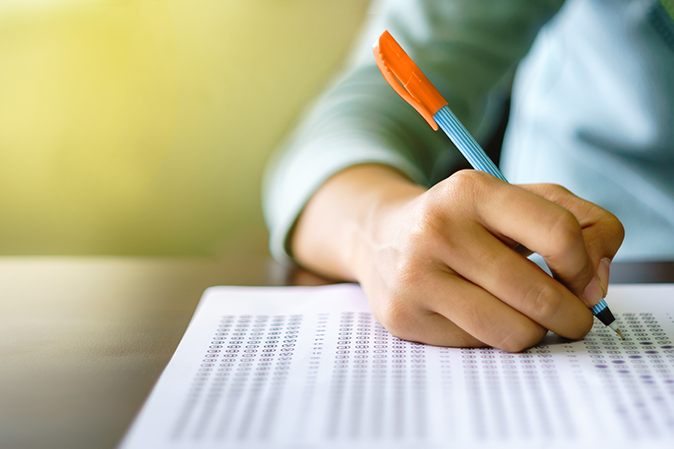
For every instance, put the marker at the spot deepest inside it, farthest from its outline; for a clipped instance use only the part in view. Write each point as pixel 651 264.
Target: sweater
pixel 592 88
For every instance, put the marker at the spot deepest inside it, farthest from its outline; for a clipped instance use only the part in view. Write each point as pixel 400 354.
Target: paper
pixel 310 367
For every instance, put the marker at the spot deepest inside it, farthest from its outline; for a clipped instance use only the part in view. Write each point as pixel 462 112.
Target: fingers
pixel 589 216
pixel 447 318
pixel 571 234
pixel 545 228
pixel 602 231
pixel 522 285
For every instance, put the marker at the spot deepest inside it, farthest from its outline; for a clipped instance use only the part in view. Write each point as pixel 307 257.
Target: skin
pixel 447 266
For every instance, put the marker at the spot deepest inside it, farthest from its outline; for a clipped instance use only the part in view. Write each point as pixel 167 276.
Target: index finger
pixel 544 227
pixel 602 231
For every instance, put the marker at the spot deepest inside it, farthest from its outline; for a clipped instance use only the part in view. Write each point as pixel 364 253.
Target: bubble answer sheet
pixel 309 367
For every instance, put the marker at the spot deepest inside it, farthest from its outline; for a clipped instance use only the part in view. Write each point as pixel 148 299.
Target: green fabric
pixel 465 48
pixel 591 108
pixel 669 7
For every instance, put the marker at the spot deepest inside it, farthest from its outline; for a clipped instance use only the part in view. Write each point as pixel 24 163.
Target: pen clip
pixel 406 78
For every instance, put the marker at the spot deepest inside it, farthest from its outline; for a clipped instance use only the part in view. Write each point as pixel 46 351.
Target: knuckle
pixel 556 190
pixel 463 179
pixel 523 336
pixel 565 233
pixel 610 226
pixel 544 302
pixel 620 229
pixel 397 317
pixel 552 192
pixel 465 340
pixel 616 228
pixel 478 318
pixel 461 193
pixel 465 182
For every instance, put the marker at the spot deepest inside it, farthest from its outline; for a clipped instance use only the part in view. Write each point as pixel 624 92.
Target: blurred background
pixel 142 127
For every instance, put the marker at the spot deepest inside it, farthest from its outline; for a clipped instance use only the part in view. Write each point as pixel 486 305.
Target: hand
pixel 441 266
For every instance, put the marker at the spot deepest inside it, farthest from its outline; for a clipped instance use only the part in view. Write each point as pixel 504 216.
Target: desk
pixel 83 339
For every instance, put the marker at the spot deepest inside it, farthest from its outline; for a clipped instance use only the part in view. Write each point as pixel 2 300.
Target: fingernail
pixel 593 292
pixel 603 273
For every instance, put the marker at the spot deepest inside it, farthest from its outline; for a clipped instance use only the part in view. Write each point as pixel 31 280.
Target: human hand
pixel 443 266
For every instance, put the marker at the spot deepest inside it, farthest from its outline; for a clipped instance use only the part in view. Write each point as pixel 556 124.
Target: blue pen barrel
pixel 462 139
pixel 603 313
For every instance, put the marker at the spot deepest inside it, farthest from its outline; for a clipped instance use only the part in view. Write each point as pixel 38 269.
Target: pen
pixel 412 85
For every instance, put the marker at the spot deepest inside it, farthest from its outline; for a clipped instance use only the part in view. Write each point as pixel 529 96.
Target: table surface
pixel 83 339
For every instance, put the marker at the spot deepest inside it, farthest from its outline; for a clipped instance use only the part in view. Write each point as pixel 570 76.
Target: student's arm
pixel 438 266
pixel 465 48
pixel 348 196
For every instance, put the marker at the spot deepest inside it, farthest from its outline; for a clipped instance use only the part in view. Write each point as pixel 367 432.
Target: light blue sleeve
pixel 466 48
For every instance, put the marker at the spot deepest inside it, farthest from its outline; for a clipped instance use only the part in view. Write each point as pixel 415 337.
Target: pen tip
pixel 620 333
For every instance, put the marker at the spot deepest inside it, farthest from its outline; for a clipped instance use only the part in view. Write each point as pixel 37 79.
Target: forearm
pixel 465 48
pixel 339 226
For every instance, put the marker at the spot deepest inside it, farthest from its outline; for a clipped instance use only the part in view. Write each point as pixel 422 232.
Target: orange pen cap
pixel 406 78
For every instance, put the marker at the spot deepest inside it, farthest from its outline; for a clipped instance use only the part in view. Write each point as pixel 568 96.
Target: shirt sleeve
pixel 466 48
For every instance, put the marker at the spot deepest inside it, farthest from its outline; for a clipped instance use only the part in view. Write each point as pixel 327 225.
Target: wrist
pixel 384 199
pixel 347 219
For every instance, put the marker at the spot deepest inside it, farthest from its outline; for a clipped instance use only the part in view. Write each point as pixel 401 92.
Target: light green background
pixel 143 126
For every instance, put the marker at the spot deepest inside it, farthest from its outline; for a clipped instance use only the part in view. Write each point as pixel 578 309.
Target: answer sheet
pixel 300 367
